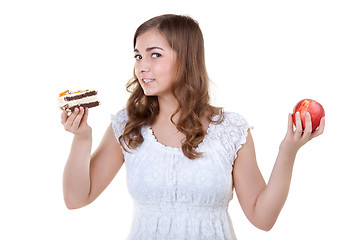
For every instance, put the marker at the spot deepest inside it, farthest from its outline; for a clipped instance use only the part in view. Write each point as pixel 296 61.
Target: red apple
pixel 314 108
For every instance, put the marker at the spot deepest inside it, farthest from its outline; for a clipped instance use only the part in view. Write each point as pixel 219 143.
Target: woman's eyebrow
pixel 149 49
pixel 152 48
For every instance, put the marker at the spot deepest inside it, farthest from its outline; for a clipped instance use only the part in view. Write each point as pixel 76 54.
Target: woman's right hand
pixel 76 122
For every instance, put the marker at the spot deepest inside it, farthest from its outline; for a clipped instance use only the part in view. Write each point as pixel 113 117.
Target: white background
pixel 262 56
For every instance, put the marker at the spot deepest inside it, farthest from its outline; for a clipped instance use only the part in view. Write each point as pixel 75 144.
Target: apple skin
pixel 315 109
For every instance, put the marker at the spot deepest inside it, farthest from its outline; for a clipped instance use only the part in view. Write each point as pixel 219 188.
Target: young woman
pixel 183 156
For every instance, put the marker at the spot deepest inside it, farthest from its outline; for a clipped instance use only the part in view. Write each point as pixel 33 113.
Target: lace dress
pixel 178 198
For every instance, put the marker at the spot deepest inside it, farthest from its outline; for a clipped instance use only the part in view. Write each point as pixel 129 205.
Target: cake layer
pixel 80 101
pixel 86 105
pixel 80 95
pixel 69 100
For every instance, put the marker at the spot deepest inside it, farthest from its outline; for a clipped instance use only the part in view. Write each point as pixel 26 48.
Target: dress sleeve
pixel 119 121
pixel 235 133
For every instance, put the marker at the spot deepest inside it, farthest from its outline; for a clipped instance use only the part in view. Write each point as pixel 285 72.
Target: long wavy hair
pixel 191 86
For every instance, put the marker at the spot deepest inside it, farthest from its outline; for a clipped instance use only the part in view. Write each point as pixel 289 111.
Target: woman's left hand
pixel 294 140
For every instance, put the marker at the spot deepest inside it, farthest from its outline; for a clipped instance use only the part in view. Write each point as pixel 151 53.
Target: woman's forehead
pixel 151 39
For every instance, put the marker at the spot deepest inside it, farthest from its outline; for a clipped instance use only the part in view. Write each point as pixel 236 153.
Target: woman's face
pixel 155 63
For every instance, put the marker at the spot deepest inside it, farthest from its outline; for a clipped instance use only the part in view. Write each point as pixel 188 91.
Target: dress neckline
pixel 177 149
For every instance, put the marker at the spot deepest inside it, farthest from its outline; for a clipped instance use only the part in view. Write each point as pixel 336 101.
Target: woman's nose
pixel 144 65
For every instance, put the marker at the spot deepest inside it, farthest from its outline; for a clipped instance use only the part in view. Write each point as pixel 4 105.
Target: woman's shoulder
pixel 230 118
pixel 232 132
pixel 230 125
pixel 119 121
pixel 121 114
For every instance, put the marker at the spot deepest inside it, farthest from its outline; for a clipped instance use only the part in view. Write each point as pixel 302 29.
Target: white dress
pixel 178 198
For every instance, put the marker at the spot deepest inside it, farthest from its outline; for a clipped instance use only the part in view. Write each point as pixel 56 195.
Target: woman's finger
pixel 77 120
pixel 70 119
pixel 290 128
pixel 64 117
pixel 85 117
pixel 299 129
pixel 308 126
pixel 72 116
pixel 320 129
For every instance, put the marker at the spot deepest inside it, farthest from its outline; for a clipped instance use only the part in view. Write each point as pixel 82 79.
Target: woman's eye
pixel 138 57
pixel 156 55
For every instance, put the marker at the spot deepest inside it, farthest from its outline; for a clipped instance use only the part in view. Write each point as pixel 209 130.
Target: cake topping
pixel 64 93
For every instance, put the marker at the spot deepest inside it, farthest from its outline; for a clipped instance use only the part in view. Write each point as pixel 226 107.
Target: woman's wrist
pixel 85 135
pixel 287 152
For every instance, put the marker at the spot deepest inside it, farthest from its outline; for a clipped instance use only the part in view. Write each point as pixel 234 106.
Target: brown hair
pixel 191 87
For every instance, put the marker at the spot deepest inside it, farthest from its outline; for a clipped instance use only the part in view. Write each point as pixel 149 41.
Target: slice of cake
pixel 69 100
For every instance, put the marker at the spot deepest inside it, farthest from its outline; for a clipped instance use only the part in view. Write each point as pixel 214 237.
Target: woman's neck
pixel 168 106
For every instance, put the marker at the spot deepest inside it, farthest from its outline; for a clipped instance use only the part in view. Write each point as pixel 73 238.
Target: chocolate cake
pixel 70 100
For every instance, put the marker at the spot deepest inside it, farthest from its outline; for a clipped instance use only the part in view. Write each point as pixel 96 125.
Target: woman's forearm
pixel 76 179
pixel 273 197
